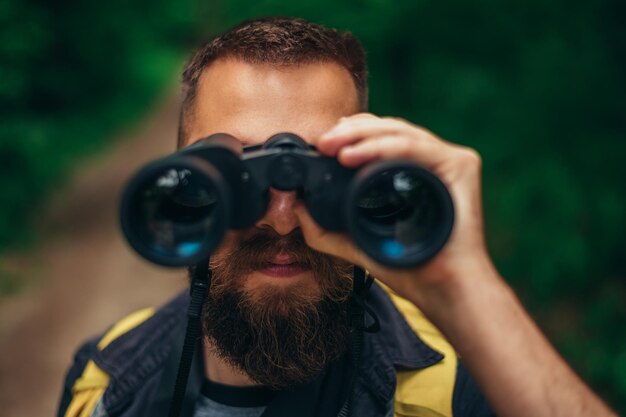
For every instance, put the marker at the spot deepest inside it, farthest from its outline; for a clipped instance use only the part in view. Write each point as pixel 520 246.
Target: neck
pixel 218 370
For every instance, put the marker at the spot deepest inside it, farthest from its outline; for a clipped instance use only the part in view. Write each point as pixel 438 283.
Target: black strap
pixel 362 316
pixel 201 279
pixel 361 283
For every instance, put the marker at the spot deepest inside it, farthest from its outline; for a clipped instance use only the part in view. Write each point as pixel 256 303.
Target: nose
pixel 279 215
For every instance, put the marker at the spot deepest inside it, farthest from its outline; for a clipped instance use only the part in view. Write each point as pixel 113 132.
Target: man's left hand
pixel 364 138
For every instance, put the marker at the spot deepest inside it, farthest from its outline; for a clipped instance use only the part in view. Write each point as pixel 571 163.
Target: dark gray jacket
pixel 142 365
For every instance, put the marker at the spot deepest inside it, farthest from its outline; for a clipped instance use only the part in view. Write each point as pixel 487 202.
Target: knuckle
pixel 470 157
pixel 397 119
pixel 425 133
pixel 396 146
pixel 362 116
pixel 406 147
pixel 398 122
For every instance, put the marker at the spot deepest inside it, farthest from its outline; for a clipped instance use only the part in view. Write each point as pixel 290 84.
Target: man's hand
pixel 364 138
pixel 460 290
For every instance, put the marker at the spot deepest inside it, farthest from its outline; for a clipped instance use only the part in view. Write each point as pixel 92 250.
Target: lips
pixel 283 266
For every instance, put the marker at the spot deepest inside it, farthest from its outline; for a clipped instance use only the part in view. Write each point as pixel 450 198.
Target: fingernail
pixel 349 151
pixel 335 131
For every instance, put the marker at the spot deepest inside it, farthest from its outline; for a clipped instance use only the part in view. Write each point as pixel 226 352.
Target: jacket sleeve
pixel 467 400
pixel 82 356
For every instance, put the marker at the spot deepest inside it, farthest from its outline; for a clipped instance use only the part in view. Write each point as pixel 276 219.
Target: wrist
pixel 455 285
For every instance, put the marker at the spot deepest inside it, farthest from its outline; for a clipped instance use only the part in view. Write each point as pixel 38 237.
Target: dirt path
pixel 83 277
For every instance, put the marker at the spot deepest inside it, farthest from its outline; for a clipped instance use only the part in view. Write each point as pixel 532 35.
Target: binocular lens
pixel 400 215
pixel 176 210
pixel 177 215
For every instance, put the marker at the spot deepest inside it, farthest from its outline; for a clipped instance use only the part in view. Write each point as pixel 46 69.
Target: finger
pixel 426 153
pixel 349 131
pixel 359 116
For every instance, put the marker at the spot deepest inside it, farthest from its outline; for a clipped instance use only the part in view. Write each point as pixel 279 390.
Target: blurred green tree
pixel 538 88
pixel 72 72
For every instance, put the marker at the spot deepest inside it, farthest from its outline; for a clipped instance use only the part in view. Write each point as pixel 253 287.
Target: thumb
pixel 332 243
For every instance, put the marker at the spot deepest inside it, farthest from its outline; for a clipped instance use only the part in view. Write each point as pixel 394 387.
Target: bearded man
pixel 276 333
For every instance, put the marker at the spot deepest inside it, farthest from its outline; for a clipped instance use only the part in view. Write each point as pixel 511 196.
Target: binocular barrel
pixel 176 210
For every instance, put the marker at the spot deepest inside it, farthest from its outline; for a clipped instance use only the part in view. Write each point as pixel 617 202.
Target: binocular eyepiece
pixel 176 210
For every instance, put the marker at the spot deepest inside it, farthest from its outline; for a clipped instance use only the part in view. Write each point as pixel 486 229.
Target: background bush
pixel 72 72
pixel 537 87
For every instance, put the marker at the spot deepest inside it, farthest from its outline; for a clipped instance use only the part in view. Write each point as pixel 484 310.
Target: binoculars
pixel 176 210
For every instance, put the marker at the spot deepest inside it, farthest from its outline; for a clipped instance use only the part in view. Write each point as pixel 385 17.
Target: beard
pixel 278 335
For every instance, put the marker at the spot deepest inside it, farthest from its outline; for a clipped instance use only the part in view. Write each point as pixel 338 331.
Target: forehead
pixel 254 101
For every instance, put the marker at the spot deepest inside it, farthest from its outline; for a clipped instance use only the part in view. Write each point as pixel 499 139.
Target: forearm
pixel 459 289
pixel 519 371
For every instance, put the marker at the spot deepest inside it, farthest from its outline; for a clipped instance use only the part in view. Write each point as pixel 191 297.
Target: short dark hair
pixel 279 41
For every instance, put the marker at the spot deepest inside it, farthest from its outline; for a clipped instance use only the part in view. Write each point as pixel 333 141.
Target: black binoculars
pixel 176 210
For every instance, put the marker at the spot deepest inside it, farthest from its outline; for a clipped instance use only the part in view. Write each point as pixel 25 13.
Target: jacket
pixel 407 369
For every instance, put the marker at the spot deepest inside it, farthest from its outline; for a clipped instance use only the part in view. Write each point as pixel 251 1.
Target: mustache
pixel 256 250
pixel 277 336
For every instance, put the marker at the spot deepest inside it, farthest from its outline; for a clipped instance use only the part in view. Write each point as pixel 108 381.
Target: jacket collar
pixel 394 347
pixel 139 354
pixel 136 356
pixel 401 345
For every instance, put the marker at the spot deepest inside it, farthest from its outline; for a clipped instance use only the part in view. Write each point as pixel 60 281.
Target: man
pixel 276 332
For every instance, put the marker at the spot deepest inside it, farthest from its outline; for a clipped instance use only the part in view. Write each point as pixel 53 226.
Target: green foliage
pixel 72 72
pixel 9 283
pixel 538 88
